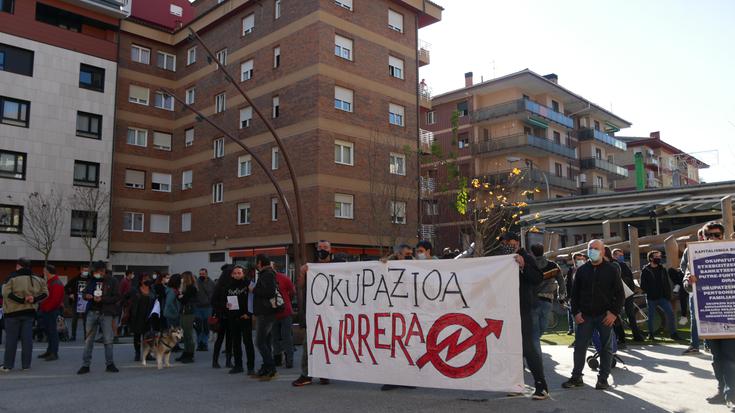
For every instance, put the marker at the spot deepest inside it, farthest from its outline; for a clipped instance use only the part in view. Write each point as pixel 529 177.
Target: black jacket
pixel 239 289
pixel 655 282
pixel 76 286
pixel 188 299
pixel 140 308
pixel 110 295
pixel 597 289
pixel 265 289
pixel 531 278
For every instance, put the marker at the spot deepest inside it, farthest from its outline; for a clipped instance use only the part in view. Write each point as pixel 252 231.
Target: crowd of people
pixel 597 289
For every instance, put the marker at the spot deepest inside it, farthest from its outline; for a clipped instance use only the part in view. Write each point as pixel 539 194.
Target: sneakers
pixel 683 321
pixel 718 398
pixel 269 375
pixel 602 384
pixel 111 369
pixel 301 381
pixel 4 369
pixel 83 370
pixel 540 394
pixel 236 370
pixel 52 357
pixel 43 355
pixel 573 383
pixel 691 350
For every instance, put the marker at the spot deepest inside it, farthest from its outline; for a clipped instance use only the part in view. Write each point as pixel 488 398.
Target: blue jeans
pixel 264 327
pixel 666 306
pixel 723 363
pixel 18 328
pixel 95 320
pixel 693 322
pixel 202 316
pixel 540 314
pixel 48 321
pixel 582 341
pixel 283 338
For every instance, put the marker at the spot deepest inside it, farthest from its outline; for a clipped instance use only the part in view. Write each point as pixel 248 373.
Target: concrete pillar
pixel 555 241
pixel 672 252
pixel 726 203
pixel 635 259
pixel 606 229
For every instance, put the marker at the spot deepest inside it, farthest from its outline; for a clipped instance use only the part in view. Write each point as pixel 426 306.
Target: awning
pixel 536 122
pixel 375 252
pixel 611 127
pixel 252 252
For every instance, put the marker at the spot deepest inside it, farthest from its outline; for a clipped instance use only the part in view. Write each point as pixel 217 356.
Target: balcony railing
pixel 596 190
pixel 653 183
pixel 590 133
pixel 527 176
pixel 601 164
pixel 522 140
pixel 521 105
pixel 424 51
pixel 426 140
pixel 428 186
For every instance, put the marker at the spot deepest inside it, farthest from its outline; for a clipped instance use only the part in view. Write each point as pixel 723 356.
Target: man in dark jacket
pixel 630 311
pixel 203 308
pixel 264 293
pixel 103 296
pixel 597 296
pixel 655 283
pixel 74 290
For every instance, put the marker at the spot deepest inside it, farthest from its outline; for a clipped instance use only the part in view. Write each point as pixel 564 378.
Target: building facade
pixel 563 145
pixel 58 74
pixel 338 81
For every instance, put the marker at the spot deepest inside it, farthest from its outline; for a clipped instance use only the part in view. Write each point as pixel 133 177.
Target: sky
pixel 663 65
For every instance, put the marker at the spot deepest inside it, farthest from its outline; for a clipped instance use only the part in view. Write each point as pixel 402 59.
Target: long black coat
pixel 140 308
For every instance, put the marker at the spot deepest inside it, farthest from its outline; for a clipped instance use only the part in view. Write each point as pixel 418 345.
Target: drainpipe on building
pixel 419 214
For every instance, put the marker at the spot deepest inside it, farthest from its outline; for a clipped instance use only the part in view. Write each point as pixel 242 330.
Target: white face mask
pixel 97 276
pixel 579 263
pixel 421 256
pixel 85 273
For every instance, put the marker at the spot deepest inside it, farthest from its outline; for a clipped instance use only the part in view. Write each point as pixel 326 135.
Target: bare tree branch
pixel 44 213
pixel 96 202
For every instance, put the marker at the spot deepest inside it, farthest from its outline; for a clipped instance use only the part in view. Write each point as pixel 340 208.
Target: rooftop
pixel 655 142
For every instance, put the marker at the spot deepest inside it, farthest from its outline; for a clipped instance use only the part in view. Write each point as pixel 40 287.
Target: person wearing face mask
pixel 630 311
pixel 263 291
pixel 74 289
pixel 655 283
pixel 203 308
pixel 102 294
pixel 578 260
pixel 546 292
pixel 423 251
pixel 596 298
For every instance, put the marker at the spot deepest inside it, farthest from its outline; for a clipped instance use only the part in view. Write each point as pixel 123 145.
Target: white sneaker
pixel 4 369
pixel 683 321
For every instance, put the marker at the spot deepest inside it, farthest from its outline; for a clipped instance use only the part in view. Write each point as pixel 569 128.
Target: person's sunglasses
pixel 713 234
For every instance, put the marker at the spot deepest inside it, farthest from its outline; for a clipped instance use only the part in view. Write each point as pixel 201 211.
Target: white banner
pixel 450 324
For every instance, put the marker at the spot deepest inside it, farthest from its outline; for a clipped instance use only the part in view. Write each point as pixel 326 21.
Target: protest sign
pixel 714 292
pixel 451 324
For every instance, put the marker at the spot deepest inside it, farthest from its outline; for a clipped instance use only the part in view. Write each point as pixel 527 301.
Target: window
pixel 244 166
pixel 275 158
pixel 162 141
pixel 186 222
pixel 600 182
pixel 92 78
pixel 343 206
pixel 16 60
pixel 397 164
pixel 431 207
pixel 217 193
pixel 138 95
pixel 558 169
pixel 14 112
pixel 160 182
pixel 217 256
pixel 159 223
pixel 84 224
pixel 86 174
pixel 134 179
pixel 164 101
pixel 220 102
pixel 430 118
pixel 166 61
pixel 395 21
pixel 557 138
pixel 190 95
pixel 140 54
pixel 555 105
pixel 89 125
pixel 395 114
pixel 398 212
pixel 7 7
pixel 274 209
pixel 343 99
pixel 343 152
pixel 60 18
pixel 597 125
pixel 463 108
pixel 246 70
pixel 218 148
pixel 246 115
pixel 248 24
pixel 463 141
pixel 347 4
pixel 276 107
pixel 137 137
pixel 598 153
pixel 12 165
pixel 189 137
pixel 222 57
pixel 186 180
pixel 133 222
pixel 11 219
pixel 342 47
pixel 191 56
pixel 395 67
pixel 243 214
pixel 276 57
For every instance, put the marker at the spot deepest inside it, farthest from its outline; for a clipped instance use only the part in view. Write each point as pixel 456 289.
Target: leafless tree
pixel 44 215
pixel 95 202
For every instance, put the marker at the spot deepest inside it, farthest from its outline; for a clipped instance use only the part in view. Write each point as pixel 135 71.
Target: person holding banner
pixel 597 296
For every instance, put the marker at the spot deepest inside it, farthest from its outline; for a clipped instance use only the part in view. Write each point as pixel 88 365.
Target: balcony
pixel 424 53
pixel 424 95
pixel 584 134
pixel 428 186
pixel 426 140
pixel 653 182
pixel 615 171
pixel 521 106
pixel 114 8
pixel 596 190
pixel 533 145
pixel 530 177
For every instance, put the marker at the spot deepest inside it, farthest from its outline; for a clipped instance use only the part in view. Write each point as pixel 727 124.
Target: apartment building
pixel 337 79
pixel 652 163
pixel 57 99
pixel 563 144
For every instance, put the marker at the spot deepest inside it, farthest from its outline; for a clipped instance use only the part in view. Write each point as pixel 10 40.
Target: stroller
pixel 594 360
pixel 61 328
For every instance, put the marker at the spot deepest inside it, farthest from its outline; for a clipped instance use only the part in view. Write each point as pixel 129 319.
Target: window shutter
pixel 134 178
pixel 162 140
pixel 343 94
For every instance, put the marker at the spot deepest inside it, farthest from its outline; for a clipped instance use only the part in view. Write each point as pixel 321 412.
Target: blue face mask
pixel 621 258
pixel 593 254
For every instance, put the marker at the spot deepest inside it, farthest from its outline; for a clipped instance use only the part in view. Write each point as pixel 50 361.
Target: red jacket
pixel 55 295
pixel 287 290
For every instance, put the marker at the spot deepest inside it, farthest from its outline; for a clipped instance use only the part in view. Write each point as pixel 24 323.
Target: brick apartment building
pixel 338 79
pixel 58 69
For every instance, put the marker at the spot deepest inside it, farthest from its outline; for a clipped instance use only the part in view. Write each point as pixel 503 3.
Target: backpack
pixel 277 301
